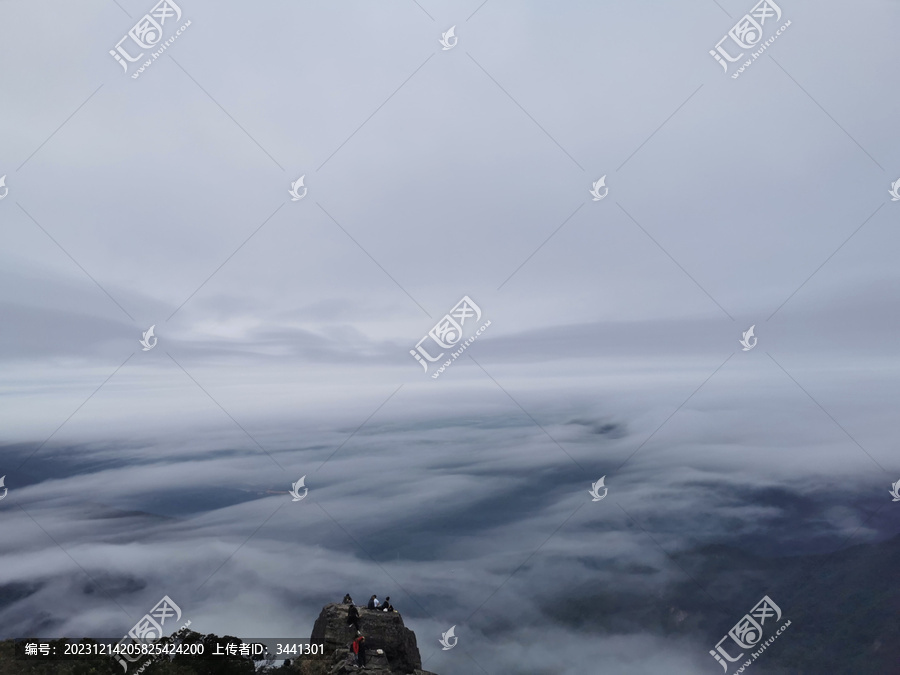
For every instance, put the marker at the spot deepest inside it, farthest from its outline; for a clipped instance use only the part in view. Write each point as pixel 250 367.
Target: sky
pixel 284 327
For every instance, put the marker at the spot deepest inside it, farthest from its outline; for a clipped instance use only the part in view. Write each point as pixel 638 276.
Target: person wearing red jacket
pixel 359 648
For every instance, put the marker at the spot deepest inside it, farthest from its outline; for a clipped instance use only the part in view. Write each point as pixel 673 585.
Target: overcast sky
pixel 285 327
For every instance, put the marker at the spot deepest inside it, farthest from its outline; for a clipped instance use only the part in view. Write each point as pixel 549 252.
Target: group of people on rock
pixel 359 643
pixel 373 603
pixel 383 606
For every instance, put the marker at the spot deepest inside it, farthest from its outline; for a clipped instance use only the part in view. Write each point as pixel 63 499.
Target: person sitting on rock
pixel 359 648
pixel 373 602
pixel 353 618
pixel 386 605
pixel 347 600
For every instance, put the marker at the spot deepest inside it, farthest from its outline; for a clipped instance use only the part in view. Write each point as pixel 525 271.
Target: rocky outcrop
pixel 383 631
